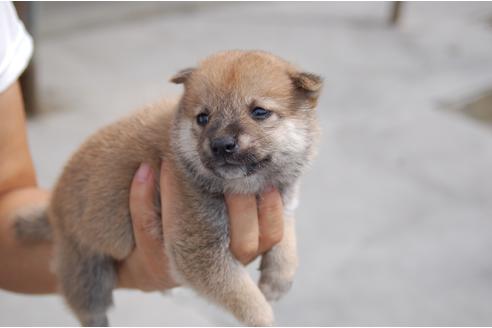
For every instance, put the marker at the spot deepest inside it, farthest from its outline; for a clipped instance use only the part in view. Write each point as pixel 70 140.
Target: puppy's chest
pixel 204 216
pixel 207 214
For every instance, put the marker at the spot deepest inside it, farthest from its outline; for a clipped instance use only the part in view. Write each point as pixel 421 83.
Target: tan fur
pixel 89 210
pixel 103 164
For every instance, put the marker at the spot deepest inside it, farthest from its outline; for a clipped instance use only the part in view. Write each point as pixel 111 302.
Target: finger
pixel 270 219
pixel 144 220
pixel 168 196
pixel 244 230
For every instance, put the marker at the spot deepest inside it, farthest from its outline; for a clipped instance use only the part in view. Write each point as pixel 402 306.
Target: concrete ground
pixel 395 222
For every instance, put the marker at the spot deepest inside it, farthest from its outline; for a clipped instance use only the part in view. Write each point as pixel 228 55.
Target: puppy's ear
pixel 307 86
pixel 182 76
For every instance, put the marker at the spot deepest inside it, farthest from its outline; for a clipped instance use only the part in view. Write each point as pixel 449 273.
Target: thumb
pixel 146 225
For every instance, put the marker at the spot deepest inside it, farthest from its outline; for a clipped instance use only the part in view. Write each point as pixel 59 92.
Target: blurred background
pixel 395 219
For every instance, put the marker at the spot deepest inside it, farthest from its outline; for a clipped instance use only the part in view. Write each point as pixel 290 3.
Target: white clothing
pixel 16 45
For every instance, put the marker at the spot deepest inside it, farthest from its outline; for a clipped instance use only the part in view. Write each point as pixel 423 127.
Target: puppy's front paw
pixel 262 317
pixel 274 285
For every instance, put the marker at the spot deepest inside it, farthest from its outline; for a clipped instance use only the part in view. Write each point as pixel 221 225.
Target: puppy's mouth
pixel 251 167
pixel 232 168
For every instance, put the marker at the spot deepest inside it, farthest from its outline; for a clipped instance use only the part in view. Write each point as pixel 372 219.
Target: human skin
pixel 255 226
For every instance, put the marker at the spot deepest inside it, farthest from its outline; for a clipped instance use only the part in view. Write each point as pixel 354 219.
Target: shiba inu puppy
pixel 245 122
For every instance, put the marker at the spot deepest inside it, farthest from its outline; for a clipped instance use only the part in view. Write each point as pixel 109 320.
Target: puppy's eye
pixel 259 113
pixel 202 119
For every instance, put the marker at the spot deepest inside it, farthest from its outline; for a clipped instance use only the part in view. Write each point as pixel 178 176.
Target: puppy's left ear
pixel 307 86
pixel 182 76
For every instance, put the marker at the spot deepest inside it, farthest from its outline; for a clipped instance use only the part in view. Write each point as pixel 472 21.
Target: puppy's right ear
pixel 182 76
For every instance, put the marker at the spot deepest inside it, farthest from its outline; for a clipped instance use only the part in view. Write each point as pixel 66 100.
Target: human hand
pixel 255 228
pixel 147 267
pixel 256 225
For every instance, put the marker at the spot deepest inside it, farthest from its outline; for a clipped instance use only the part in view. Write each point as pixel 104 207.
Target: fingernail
pixel 269 189
pixel 143 172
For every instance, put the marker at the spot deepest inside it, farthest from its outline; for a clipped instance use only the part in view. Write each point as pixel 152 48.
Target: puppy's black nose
pixel 224 146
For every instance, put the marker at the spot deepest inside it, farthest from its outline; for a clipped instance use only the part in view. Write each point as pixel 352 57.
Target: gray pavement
pixel 395 220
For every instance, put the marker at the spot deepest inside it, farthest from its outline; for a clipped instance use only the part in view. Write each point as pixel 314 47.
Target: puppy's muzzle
pixel 224 147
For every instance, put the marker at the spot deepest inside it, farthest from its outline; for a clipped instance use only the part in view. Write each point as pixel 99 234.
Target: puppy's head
pixel 246 119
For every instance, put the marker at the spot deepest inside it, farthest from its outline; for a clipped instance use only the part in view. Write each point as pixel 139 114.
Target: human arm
pixel 24 268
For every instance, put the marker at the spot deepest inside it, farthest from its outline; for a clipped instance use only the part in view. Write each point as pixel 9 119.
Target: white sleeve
pixel 15 45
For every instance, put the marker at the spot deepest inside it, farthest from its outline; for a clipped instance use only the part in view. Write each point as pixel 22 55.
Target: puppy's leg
pixel 278 266
pixel 86 280
pixel 215 274
pixel 243 298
